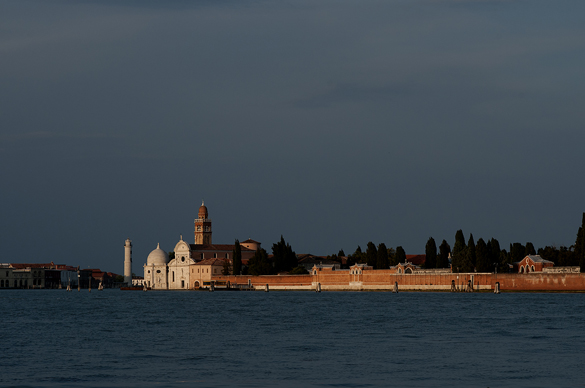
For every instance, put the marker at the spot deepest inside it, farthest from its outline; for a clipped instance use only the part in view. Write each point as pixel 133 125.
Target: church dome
pixel 203 210
pixel 158 256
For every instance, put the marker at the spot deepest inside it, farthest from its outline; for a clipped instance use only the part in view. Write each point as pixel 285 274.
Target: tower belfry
pixel 203 226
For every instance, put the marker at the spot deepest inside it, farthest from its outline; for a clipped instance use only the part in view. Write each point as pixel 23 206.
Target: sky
pixel 331 123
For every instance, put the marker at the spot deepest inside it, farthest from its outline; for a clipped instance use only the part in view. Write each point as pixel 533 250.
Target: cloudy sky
pixel 333 123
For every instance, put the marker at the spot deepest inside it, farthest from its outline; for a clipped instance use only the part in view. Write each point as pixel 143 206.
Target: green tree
pixel 371 254
pixel 341 253
pixel 356 257
pixel 567 257
pixel 171 255
pixel 431 253
pixel 391 256
pixel 483 257
pixel 458 256
pixel 471 258
pixel 259 263
pixel 382 261
pixel 580 245
pixel 549 253
pixel 284 257
pixel 237 258
pixel 300 270
pixel 443 258
pixel 496 255
pixel 529 249
pixel 400 255
pixel 226 268
pixel 517 252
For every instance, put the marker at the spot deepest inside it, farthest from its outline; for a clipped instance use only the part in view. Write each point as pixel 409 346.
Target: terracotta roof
pixel 539 259
pixel 250 241
pixel 536 259
pixel 211 262
pixel 216 247
pixel 416 259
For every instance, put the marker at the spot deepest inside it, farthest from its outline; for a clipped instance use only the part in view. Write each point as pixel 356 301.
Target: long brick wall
pixel 340 280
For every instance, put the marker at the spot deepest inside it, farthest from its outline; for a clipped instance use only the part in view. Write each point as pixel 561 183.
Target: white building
pixel 161 273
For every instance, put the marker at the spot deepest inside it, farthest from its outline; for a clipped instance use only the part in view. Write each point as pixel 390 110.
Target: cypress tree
pixel 431 253
pixel 530 249
pixel 495 254
pixel 341 253
pixel 483 257
pixel 357 257
pixel 517 252
pixel 371 254
pixel 580 245
pixel 400 255
pixel 458 254
pixel 470 263
pixel 443 258
pixel 259 264
pixel 391 256
pixel 237 258
pixel 284 257
pixel 382 259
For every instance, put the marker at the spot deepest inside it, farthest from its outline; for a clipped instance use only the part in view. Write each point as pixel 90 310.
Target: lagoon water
pixel 116 338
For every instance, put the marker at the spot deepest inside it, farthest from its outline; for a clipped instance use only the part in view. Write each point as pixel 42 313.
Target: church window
pixel 183 259
pixel 158 271
pixel 215 255
pixel 532 268
pixel 182 284
pixel 207 270
pixel 173 276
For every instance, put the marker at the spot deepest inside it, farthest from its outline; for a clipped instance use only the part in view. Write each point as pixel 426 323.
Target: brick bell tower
pixel 203 227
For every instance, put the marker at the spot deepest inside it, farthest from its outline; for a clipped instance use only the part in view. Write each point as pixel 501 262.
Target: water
pixel 254 339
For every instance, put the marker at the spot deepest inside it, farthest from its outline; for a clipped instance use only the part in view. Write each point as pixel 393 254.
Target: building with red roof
pixel 184 271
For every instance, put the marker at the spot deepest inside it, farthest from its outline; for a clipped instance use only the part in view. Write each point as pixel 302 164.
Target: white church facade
pixel 193 264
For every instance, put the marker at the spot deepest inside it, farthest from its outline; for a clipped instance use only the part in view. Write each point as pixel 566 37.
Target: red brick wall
pixel 385 278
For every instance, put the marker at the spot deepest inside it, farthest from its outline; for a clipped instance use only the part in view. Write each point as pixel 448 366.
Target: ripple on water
pixel 341 339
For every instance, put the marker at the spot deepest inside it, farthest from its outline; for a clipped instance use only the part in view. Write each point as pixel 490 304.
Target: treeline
pixel 466 256
pixel 483 256
pixel 487 256
pixel 283 259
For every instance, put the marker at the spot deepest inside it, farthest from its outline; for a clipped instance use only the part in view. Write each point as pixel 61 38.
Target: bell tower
pixel 203 227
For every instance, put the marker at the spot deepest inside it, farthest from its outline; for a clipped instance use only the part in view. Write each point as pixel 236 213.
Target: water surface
pixel 255 339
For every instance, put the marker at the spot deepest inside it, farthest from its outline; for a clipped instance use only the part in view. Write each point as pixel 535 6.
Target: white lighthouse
pixel 128 262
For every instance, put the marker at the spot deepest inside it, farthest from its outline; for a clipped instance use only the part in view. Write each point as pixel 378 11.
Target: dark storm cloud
pixel 332 123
